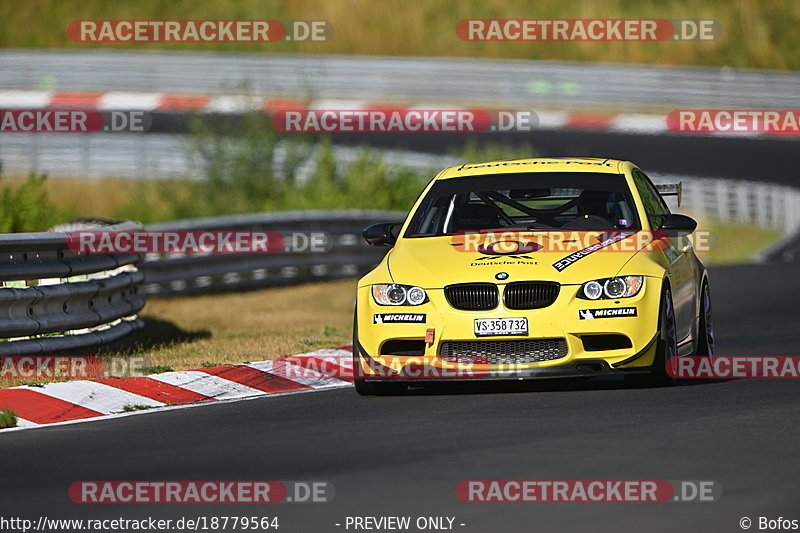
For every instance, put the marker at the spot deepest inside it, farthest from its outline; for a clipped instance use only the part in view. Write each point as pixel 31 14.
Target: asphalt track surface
pixel 770 159
pixel 767 159
pixel 762 158
pixel 405 455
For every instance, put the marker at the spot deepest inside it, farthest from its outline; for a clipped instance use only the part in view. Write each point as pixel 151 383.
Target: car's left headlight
pixel 398 294
pixel 611 288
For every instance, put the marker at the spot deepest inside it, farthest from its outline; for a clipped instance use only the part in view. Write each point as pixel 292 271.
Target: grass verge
pixel 250 326
pixel 731 243
pixel 754 33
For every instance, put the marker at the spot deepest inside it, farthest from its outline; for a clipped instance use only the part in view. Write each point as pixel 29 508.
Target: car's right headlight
pixel 611 288
pixel 393 294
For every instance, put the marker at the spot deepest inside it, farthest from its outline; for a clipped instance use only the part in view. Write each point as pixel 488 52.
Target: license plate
pixel 501 326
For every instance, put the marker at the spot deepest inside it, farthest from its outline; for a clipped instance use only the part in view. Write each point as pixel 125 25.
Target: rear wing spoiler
pixel 671 189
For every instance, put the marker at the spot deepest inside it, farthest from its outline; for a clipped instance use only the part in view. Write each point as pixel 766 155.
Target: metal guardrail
pixel 345 255
pixel 53 299
pixel 414 79
pixel 759 204
pixel 764 205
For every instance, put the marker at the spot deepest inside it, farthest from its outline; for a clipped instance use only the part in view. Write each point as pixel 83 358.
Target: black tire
pixel 706 338
pixel 666 347
pixel 366 387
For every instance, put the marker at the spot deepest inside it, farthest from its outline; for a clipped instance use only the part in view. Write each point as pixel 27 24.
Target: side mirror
pixel 383 234
pixel 677 224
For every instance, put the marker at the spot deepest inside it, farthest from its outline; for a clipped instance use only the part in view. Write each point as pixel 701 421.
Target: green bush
pixel 246 165
pixel 8 419
pixel 235 160
pixel 27 207
pixel 475 153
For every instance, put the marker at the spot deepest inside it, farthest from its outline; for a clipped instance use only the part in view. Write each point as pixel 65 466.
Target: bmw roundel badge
pixel 501 275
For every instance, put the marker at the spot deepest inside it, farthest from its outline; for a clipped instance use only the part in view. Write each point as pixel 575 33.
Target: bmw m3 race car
pixel 532 268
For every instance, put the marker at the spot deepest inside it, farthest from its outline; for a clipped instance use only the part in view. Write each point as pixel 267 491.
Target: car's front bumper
pixel 561 320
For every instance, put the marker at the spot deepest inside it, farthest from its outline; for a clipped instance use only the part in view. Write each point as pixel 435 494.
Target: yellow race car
pixel 532 268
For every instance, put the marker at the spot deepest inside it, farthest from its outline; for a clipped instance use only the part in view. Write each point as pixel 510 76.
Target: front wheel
pixel 666 347
pixel 706 342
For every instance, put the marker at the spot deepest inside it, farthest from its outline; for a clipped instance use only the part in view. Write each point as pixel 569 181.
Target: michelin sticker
pixel 399 318
pixel 589 314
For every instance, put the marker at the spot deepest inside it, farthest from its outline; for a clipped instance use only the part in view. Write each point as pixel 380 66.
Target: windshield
pixel 580 201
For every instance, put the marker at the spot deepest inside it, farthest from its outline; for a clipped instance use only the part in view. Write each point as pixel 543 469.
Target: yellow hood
pixel 433 262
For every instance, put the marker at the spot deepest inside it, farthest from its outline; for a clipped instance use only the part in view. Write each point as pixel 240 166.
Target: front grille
pixel 472 296
pixel 503 352
pixel 530 294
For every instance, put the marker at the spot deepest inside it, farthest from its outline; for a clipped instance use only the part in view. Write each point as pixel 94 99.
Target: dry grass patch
pixel 132 199
pixel 251 326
